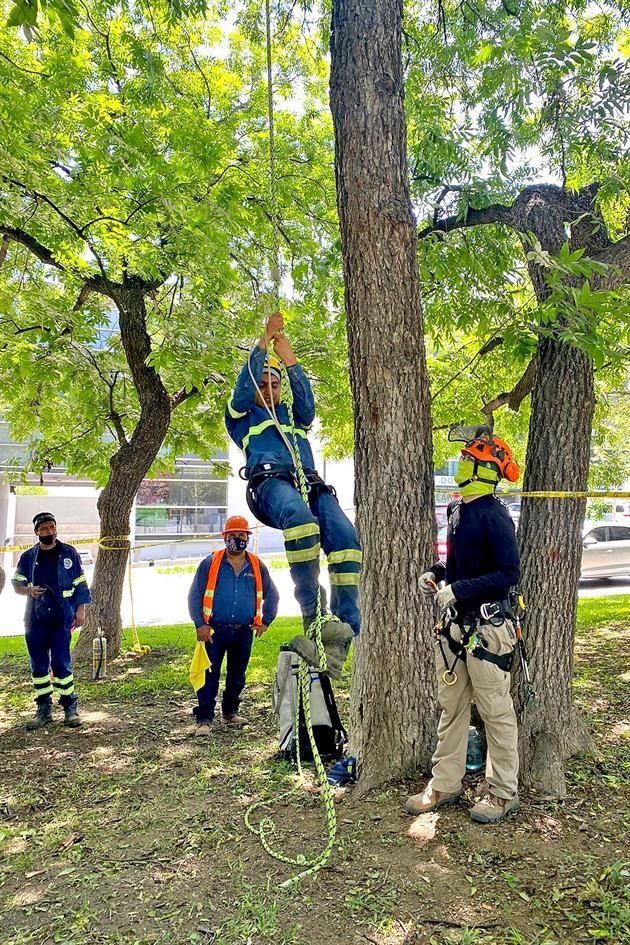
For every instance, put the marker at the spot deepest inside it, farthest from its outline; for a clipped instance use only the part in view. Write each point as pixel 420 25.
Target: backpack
pixel 330 735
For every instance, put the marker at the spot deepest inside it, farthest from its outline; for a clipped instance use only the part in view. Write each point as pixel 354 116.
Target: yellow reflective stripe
pixel 235 414
pixel 346 554
pixel 304 554
pixel 43 690
pixel 39 680
pixel 68 593
pixel 261 427
pixel 19 577
pixel 64 681
pixel 254 431
pixel 301 531
pixel 344 578
pixel 79 580
pixel 66 690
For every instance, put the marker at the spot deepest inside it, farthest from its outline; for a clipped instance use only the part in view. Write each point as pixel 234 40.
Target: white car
pixel 605 550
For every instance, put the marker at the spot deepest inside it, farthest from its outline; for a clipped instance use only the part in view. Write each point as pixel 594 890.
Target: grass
pixel 129 832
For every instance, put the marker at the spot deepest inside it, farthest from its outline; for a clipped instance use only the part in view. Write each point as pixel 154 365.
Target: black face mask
pixel 46 539
pixel 235 545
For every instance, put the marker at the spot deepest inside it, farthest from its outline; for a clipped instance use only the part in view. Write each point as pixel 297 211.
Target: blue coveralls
pixel 307 529
pixel 233 611
pixel 48 640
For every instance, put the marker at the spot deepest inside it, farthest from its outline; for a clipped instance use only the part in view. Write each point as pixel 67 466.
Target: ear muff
pixel 511 471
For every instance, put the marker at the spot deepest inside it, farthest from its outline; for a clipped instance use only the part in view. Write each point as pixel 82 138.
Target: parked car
pixel 605 550
pixel 440 545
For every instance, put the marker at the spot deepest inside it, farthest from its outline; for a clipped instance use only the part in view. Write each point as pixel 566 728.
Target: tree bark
pixel 129 466
pixel 550 530
pixel 393 688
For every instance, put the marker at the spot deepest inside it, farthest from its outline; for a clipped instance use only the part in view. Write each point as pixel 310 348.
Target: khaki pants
pixel 489 686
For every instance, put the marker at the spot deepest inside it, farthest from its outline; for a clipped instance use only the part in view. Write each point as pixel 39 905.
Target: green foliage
pixel 153 161
pixel 499 97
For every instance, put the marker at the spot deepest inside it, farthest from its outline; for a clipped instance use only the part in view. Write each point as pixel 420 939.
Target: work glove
pixel 445 596
pixel 427 589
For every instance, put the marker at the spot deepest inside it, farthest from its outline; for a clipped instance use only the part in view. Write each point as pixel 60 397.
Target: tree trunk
pixel 550 536
pixel 393 688
pixel 129 465
pixel 550 531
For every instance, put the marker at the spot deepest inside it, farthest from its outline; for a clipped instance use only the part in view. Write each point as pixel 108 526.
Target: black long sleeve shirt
pixel 482 560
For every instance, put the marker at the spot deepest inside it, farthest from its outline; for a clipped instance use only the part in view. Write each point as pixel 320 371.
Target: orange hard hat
pixel 489 449
pixel 237 523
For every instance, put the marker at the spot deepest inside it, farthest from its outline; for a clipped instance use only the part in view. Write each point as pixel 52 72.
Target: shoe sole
pixel 38 727
pixel 480 819
pixel 447 802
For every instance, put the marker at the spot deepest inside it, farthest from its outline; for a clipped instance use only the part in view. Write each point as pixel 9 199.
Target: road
pixel 160 599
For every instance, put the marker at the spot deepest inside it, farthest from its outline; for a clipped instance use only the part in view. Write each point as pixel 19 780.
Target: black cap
pixel 42 517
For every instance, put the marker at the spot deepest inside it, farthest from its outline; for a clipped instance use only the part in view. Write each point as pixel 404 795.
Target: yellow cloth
pixel 199 664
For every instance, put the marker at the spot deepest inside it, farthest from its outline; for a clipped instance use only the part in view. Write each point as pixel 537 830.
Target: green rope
pixel 266 829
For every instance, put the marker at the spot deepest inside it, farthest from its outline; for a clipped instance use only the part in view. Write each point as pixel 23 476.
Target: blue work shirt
pixel 234 596
pixel 482 560
pixel 253 430
pixel 71 588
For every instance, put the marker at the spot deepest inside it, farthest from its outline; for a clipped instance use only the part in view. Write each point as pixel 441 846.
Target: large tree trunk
pixel 129 465
pixel 393 689
pixel 550 532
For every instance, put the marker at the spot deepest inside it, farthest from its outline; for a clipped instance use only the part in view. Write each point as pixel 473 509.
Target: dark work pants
pixel 236 643
pixel 49 649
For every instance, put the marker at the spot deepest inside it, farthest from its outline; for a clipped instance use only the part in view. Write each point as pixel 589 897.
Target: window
pixel 596 535
pixel 619 533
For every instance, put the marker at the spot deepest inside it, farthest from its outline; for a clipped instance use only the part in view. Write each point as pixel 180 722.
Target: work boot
pixel 71 717
pixel 203 728
pixel 42 717
pixel 234 719
pixel 305 647
pixel 336 637
pixel 491 809
pixel 336 632
pixel 430 800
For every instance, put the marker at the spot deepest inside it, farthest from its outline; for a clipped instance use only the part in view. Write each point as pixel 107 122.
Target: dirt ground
pixel 131 831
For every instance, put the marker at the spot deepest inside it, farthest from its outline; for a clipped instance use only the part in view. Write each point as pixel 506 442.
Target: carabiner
pixel 449 677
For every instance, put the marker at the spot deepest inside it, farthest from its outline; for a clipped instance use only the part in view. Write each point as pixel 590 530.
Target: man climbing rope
pixel 232 597
pixel 476 635
pixel 259 423
pixel 51 576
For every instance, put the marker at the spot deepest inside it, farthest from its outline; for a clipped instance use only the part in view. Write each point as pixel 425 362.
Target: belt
pixel 217 625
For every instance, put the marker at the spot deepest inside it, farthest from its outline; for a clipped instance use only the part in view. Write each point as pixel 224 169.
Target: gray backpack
pixel 330 735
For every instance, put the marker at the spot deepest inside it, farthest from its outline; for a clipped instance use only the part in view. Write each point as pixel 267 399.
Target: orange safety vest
pixel 208 597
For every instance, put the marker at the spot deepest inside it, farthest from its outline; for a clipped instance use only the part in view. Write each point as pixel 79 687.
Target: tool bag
pixel 330 735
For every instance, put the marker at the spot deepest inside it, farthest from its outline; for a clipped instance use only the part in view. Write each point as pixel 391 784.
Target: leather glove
pixel 427 589
pixel 445 596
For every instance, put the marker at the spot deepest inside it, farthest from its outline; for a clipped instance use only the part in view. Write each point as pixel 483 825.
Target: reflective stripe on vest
pixel 213 573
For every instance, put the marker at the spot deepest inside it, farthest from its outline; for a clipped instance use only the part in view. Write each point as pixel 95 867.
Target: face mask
pixel 465 469
pixel 47 539
pixel 235 545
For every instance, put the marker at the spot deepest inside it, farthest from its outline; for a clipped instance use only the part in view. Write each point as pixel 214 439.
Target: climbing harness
pixel 266 829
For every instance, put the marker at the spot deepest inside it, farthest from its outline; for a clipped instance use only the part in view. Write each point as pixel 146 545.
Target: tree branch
pixel 495 213
pixel 513 398
pixel 182 394
pixel 38 249
pixel 617 257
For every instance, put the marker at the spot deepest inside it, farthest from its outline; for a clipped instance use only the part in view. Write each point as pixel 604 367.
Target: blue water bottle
pixel 474 754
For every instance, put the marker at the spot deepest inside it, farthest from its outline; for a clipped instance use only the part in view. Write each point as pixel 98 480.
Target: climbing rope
pixel 266 829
